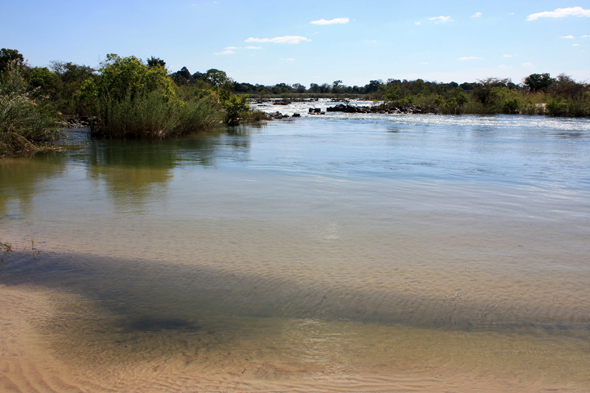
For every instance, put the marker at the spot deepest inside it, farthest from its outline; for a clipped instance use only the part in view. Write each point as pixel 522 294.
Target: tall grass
pixel 26 125
pixel 153 115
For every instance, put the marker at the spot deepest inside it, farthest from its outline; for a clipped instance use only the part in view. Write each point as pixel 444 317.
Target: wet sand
pixel 78 322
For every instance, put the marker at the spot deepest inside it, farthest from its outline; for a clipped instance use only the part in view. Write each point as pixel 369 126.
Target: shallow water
pixel 337 252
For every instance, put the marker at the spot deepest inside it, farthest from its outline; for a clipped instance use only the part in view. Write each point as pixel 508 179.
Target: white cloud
pixel 226 52
pixel 586 36
pixel 232 47
pixel 424 62
pixel 509 55
pixel 527 65
pixel 330 22
pixel 560 13
pixel 470 58
pixel 476 15
pixel 569 37
pixel 288 39
pixel 418 23
pixel 252 47
pixel 575 44
pixel 287 59
pixel 441 19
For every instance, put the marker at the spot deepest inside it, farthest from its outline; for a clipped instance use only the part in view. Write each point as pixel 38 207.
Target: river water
pixel 326 253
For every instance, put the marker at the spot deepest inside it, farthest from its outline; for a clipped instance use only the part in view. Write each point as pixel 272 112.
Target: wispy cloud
pixel 252 47
pixel 424 62
pixel 569 37
pixel 560 13
pixel 232 47
pixel 470 58
pixel 287 59
pixel 527 65
pixel 476 15
pixel 371 41
pixel 288 39
pixel 226 52
pixel 586 36
pixel 509 55
pixel 418 23
pixel 441 19
pixel 330 22
pixel 575 44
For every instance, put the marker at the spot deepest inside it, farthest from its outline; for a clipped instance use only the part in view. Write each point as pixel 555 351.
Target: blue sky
pixel 300 41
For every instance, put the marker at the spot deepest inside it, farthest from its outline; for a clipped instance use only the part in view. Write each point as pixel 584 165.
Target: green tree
pixel 393 93
pixel 156 62
pixel 7 56
pixel 538 82
pixel 216 77
pixel 235 107
pixel 126 77
pixel 47 82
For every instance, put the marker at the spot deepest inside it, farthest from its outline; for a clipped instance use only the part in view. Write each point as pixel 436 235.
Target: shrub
pixel 511 105
pixel 235 107
pixel 26 125
pixel 132 99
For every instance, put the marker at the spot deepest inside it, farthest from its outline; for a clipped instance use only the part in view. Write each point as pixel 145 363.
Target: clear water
pixel 336 252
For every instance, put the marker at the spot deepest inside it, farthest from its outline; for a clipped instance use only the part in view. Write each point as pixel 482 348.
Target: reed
pixel 153 115
pixel 26 125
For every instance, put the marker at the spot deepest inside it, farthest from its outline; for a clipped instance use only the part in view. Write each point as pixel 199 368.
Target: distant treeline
pixel 126 96
pixel 537 94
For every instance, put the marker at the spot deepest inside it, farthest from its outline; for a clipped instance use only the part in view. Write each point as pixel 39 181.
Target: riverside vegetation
pixel 126 97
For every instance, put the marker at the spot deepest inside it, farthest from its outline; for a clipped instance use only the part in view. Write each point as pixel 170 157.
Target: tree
pixel 9 55
pixel 49 83
pixel 72 77
pixel 393 93
pixel 373 86
pixel 155 62
pixel 182 77
pixel 216 77
pixel 538 82
pixel 566 87
pixel 235 107
pixel 125 78
pixel 487 89
pixel 299 88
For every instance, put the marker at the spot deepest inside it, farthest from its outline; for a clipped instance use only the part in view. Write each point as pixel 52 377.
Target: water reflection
pixel 137 171
pixel 20 180
pixel 294 243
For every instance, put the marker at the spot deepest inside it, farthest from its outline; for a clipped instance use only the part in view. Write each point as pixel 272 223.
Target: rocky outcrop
pixel 377 109
pixel 277 116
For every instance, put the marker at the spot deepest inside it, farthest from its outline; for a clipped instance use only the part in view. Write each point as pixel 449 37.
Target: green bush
pixel 132 99
pixel 26 125
pixel 235 108
pixel 511 105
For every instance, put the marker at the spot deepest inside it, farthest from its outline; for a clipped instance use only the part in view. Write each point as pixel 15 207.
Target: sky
pixel 300 41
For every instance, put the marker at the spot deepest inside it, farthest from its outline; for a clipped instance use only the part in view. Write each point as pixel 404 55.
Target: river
pixel 331 252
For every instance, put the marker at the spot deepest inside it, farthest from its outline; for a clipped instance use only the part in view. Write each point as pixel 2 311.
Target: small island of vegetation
pixel 126 97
